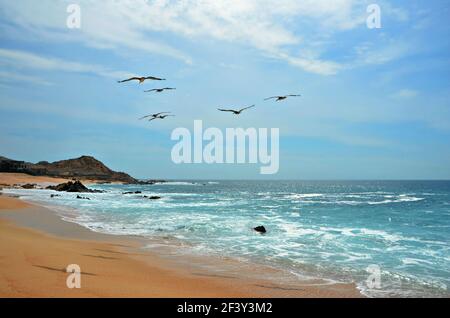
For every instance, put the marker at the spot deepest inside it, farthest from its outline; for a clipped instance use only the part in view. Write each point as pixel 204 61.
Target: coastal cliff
pixel 85 167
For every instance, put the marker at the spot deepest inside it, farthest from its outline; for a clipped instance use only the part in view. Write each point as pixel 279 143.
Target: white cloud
pixel 275 28
pixel 104 24
pixel 25 60
pixel 368 53
pixel 8 77
pixel 262 24
pixel 313 65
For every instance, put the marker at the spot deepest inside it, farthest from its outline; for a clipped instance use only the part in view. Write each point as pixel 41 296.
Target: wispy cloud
pixel 262 24
pixel 8 77
pixel 22 59
pixel 381 53
pixel 313 65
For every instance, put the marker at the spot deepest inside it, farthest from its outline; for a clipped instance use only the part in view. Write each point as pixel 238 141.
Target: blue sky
pixel 375 104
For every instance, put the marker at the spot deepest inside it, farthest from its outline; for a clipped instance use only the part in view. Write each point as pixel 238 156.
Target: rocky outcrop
pixel 82 198
pixel 84 167
pixel 29 186
pixel 153 197
pixel 70 186
pixel 260 229
pixel 8 165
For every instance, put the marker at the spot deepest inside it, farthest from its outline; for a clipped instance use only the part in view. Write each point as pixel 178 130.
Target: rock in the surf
pixel 70 186
pixel 29 186
pixel 153 197
pixel 260 229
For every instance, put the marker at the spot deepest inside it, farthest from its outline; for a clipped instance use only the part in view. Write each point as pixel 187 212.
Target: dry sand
pixel 36 246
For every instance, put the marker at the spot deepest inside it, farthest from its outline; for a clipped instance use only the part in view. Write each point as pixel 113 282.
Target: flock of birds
pixel 163 115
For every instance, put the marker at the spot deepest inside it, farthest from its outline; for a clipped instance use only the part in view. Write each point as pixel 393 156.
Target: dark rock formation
pixel 29 186
pixel 54 195
pixel 260 229
pixel 8 165
pixel 153 197
pixel 131 192
pixel 84 167
pixel 82 198
pixel 70 186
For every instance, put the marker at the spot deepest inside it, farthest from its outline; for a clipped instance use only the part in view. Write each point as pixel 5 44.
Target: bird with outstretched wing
pixel 154 115
pixel 282 97
pixel 236 112
pixel 141 79
pixel 159 90
pixel 161 117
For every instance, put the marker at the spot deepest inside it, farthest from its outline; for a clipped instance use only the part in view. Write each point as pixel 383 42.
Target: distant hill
pixel 85 167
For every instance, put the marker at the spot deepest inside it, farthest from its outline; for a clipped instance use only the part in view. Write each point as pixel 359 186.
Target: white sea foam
pixel 180 183
pixel 382 234
pixel 295 230
pixel 415 261
pixel 303 196
pixel 401 198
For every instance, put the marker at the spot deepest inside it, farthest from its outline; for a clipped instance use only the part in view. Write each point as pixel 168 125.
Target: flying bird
pixel 159 90
pixel 236 112
pixel 164 116
pixel 154 115
pixel 142 79
pixel 161 117
pixel 280 98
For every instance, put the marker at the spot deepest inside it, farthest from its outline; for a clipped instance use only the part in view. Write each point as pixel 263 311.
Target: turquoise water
pixel 332 230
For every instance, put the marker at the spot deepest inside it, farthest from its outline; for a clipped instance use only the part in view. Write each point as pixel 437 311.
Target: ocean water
pixel 332 230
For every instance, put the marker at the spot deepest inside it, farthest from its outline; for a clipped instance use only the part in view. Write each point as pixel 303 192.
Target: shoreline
pixel 36 245
pixel 13 179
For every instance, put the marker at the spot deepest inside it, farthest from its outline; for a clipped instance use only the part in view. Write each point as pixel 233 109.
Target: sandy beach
pixel 12 179
pixel 36 246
